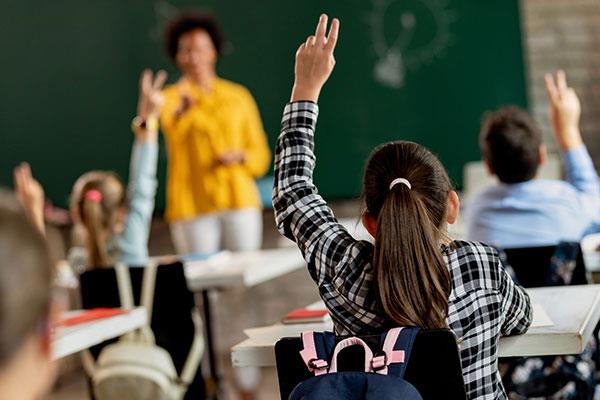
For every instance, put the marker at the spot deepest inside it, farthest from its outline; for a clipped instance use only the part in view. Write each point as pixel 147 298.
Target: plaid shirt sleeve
pixel 300 212
pixel 516 306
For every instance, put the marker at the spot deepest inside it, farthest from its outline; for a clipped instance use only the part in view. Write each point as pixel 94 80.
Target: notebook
pixel 306 316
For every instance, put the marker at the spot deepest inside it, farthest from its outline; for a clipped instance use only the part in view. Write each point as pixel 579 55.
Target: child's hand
pixel 315 61
pixel 151 98
pixel 30 194
pixel 565 111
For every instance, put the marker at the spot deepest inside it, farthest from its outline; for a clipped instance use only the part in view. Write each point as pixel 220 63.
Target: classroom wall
pixel 564 34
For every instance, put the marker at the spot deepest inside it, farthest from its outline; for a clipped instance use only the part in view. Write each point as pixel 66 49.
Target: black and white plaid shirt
pixel 484 303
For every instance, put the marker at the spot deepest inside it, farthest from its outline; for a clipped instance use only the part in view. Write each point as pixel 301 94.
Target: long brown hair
pixel 412 278
pixel 99 196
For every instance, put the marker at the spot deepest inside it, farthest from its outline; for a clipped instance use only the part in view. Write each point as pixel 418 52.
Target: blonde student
pixel 412 275
pixel 26 370
pixel 112 222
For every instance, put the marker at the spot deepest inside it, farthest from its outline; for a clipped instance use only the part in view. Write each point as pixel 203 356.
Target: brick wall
pixel 564 34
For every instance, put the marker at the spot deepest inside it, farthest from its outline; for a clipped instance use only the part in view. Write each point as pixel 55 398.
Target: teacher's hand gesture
pixel 315 61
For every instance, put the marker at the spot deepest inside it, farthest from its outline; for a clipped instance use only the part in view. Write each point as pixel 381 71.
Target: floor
pixel 233 310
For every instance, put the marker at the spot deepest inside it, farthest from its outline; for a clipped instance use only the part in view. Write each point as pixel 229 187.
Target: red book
pixel 304 316
pixel 91 315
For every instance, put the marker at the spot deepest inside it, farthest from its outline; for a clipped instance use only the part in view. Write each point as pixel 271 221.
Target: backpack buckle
pixel 379 361
pixel 317 365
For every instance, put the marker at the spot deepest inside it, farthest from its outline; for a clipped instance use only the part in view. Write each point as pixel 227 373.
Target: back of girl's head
pixel 412 278
pixel 97 200
pixel 25 273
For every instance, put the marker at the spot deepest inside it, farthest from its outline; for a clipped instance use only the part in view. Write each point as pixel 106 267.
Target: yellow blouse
pixel 225 119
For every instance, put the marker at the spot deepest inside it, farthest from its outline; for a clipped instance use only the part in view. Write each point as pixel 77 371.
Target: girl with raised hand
pixel 412 275
pixel 114 223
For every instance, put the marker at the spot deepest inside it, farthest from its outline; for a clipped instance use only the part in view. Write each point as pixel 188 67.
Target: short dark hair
pixel 188 22
pixel 510 143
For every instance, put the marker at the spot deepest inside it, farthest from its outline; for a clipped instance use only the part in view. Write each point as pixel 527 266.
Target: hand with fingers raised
pixel 315 61
pixel 565 110
pixel 30 194
pixel 145 125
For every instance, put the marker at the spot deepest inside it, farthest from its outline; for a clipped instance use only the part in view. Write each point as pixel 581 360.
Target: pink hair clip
pixel 93 195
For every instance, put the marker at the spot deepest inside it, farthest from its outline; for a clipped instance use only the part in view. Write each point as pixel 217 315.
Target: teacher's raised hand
pixel 315 61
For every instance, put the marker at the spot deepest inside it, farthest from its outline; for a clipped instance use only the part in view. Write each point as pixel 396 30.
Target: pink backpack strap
pixel 351 341
pixel 390 356
pixel 310 357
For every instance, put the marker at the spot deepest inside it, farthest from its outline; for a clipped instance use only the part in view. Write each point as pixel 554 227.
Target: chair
pixel 548 265
pixel 434 366
pixel 543 376
pixel 175 327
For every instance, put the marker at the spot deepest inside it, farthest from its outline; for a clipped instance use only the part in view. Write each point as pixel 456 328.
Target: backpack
pixel 135 367
pixel 380 378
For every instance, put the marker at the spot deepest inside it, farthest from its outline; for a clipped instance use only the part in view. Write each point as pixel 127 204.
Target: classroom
pixel 360 199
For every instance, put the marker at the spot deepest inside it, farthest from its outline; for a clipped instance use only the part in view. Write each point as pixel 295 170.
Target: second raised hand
pixel 315 61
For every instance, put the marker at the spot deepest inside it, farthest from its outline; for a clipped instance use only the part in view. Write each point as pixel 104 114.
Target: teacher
pixel 216 146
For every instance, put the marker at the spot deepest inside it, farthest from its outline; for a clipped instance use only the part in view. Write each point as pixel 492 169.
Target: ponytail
pixel 406 192
pixel 92 217
pixel 412 277
pixel 99 195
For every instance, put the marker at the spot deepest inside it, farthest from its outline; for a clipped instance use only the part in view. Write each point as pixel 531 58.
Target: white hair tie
pixel 402 181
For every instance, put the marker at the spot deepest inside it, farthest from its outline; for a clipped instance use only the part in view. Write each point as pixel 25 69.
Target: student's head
pixel 408 225
pixel 194 42
pixel 25 365
pixel 98 203
pixel 511 145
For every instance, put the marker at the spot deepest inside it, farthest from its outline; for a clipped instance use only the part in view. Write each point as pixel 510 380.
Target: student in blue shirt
pixel 522 211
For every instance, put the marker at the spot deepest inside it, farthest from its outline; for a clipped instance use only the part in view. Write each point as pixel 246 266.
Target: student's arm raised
pixel 31 195
pixel 565 112
pixel 142 170
pixel 315 62
pixel 301 213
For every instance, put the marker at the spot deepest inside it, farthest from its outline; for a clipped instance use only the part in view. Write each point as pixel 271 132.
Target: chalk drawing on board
pixel 407 34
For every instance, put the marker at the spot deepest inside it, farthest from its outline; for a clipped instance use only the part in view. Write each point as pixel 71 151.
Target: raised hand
pixel 30 194
pixel 565 110
pixel 315 61
pixel 151 98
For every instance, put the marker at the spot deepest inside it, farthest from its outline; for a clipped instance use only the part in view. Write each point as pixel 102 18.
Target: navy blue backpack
pixel 381 379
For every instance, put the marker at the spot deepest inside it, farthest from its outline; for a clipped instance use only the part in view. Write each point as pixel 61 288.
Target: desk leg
pixel 214 378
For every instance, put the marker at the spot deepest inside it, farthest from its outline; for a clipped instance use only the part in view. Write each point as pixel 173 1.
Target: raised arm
pixel 301 213
pixel 133 243
pixel 31 195
pixel 565 112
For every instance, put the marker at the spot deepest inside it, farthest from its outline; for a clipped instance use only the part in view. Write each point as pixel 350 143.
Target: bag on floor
pixel 382 375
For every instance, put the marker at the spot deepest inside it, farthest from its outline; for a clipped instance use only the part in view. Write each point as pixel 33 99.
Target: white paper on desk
pixel 540 317
pixel 276 332
pixel 215 262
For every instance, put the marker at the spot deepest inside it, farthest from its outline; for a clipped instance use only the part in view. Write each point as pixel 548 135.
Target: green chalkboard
pixel 421 70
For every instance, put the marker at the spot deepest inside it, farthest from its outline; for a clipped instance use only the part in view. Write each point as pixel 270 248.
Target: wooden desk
pixel 574 310
pixel 72 339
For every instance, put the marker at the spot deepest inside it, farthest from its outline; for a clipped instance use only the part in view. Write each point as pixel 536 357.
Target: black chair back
pixel 171 323
pixel 434 367
pixel 538 266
